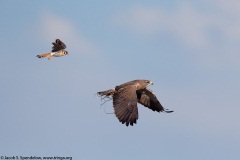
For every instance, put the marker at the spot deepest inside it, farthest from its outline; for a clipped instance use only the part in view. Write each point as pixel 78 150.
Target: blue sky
pixel 189 49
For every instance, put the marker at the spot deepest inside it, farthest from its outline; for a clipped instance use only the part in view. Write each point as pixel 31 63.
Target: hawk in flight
pixel 57 50
pixel 126 96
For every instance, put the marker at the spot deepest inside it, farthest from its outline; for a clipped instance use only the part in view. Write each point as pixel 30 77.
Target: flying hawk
pixel 126 96
pixel 57 50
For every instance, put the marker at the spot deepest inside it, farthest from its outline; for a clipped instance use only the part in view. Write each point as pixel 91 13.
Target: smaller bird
pixel 57 50
pixel 126 96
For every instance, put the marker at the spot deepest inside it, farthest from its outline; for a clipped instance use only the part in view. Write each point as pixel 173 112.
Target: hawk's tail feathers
pixel 106 93
pixel 44 55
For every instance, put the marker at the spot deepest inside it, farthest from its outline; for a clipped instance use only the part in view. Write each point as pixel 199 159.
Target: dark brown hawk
pixel 127 95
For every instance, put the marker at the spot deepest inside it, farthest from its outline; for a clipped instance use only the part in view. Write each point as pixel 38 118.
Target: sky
pixel 189 49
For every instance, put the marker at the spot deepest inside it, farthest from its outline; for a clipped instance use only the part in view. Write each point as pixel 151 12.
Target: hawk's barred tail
pixel 44 55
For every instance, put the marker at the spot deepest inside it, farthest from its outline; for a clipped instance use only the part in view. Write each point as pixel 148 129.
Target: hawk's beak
pixel 151 83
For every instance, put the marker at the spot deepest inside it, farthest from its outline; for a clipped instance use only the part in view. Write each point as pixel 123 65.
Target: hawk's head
pixel 65 52
pixel 143 84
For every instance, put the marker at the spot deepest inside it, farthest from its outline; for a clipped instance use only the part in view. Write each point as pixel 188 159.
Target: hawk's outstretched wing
pixel 58 45
pixel 125 104
pixel 147 98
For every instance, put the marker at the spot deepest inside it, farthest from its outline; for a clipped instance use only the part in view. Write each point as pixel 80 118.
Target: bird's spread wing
pixel 147 98
pixel 125 104
pixel 58 45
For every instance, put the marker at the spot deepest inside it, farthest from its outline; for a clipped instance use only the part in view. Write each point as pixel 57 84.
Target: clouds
pixel 184 23
pixel 210 32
